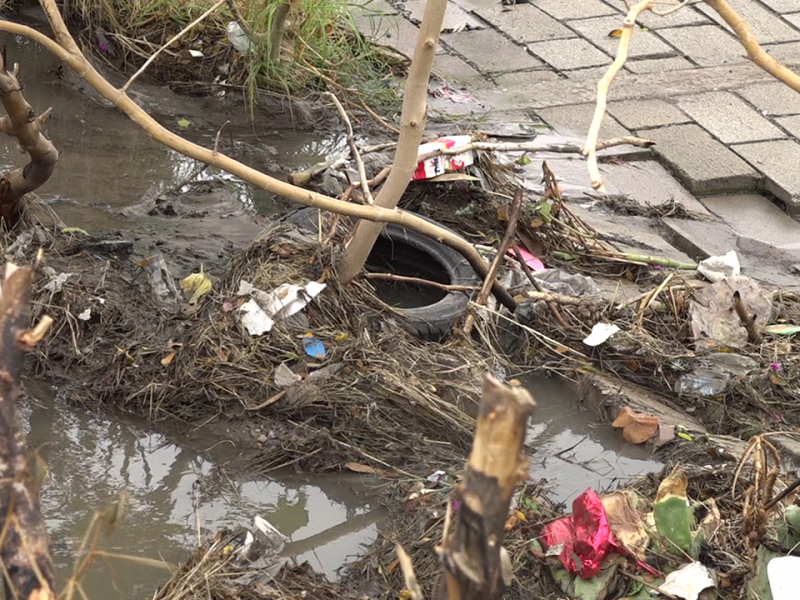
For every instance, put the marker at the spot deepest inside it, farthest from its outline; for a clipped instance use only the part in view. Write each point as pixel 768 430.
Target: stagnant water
pixel 107 163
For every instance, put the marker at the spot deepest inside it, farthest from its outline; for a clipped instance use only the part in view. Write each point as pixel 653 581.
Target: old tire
pixel 406 252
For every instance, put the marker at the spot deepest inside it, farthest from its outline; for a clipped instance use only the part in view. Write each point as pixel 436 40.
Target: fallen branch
pixel 476 566
pixel 22 123
pixel 590 149
pixel 417 281
pixel 351 142
pixel 542 295
pixel 747 318
pixel 25 549
pixel 554 298
pixel 65 48
pixel 511 231
pixel 751 45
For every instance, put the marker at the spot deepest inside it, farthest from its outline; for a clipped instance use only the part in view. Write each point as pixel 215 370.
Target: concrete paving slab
pixel 515 90
pixel 728 118
pixel 643 44
pixel 700 239
pixel 644 114
pixel 754 216
pixel 456 70
pixel 525 23
pixel 491 51
pixel 650 65
pixel 707 45
pixel 395 31
pixel 703 164
pixel 635 235
pixel 684 16
pixel 649 183
pixel 591 75
pixel 455 17
pixel 575 9
pixel 793 19
pixel 574 53
pixel 772 98
pixel 782 6
pixel 791 124
pixel 780 163
pixel 575 120
pixel 765 24
pixel 507 81
pixel 787 53
pixel 371 8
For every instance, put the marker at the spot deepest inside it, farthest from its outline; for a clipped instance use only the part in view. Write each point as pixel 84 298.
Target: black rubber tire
pixel 432 321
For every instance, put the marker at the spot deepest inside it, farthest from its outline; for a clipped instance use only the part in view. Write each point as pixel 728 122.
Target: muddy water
pixel 108 163
pixel 573 452
pixel 92 460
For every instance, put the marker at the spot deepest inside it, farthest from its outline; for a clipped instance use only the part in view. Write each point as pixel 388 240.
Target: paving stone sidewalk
pixel 723 127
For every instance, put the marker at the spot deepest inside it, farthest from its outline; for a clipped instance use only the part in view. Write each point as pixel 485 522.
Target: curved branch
pixel 750 43
pixel 67 50
pixel 22 122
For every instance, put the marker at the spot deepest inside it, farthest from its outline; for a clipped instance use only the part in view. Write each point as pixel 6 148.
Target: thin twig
pixel 648 300
pixel 590 149
pixel 412 585
pixel 747 318
pixel 173 39
pixel 426 282
pixel 650 586
pixel 351 142
pixel 511 229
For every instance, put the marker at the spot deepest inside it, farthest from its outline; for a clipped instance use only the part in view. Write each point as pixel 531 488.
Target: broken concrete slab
pixel 575 120
pixel 454 69
pixel 780 163
pixel 791 124
pixel 729 118
pixel 658 65
pixel 504 56
pixel 703 164
pixel 649 183
pixel 754 216
pixel 455 17
pixel 679 17
pixel 524 22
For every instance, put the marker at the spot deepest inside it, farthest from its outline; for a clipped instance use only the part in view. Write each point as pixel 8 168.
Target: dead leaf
pixel 615 33
pixel 167 360
pixel 637 428
pixel 625 523
pixel 360 468
pixel 666 434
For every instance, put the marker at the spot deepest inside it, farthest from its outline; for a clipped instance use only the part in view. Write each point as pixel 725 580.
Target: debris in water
pixel 438 165
pixel 196 284
pixel 637 428
pixel 255 320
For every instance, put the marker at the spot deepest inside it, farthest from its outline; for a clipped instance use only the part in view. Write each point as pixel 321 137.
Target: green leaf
pixel 545 208
pixel 684 436
pixel 524 160
pixel 782 329
pixel 184 123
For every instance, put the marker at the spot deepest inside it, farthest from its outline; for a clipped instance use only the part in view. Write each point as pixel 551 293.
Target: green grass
pixel 321 50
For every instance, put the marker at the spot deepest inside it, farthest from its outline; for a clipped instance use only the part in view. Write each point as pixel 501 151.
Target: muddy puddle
pixel 108 163
pixel 91 460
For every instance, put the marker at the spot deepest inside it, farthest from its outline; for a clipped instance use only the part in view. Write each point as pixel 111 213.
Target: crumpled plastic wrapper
pixel 585 535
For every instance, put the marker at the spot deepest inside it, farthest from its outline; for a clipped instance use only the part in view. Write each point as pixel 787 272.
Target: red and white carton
pixel 439 165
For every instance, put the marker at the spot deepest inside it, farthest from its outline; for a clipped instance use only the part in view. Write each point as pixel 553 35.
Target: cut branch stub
pixel 22 122
pixel 25 546
pixel 476 566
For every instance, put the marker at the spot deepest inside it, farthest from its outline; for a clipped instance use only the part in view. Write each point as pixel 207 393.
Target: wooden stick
pixel 590 148
pixel 25 547
pixel 476 566
pixel 417 281
pixel 748 320
pixel 351 142
pixel 511 229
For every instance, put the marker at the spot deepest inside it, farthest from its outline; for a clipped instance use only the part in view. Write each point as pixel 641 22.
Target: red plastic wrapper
pixel 586 536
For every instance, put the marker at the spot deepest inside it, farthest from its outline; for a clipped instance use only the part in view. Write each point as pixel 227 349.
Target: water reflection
pixel 573 451
pixel 91 460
